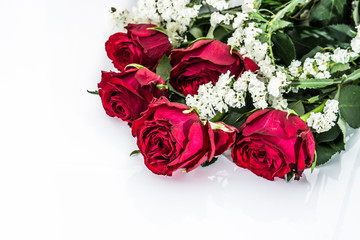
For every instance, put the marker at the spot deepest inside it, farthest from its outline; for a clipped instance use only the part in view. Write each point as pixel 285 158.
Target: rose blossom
pixel 272 143
pixel 170 137
pixel 126 95
pixel 140 45
pixel 224 136
pixel 203 62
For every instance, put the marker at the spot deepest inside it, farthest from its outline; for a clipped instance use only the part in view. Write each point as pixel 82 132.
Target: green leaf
pixel 306 38
pixel 208 163
pixel 339 67
pixel 283 48
pixel 353 76
pixel 257 16
pixel 342 125
pixel 219 117
pixel 324 153
pixel 221 34
pixel 135 152
pixel 340 32
pixel 163 68
pixel 281 24
pixel 95 92
pixel 314 83
pixel 287 10
pixel 330 142
pixel 196 32
pixel 327 12
pixel 328 136
pixel 349 104
pixel 356 14
pixel 298 107
pixel 176 98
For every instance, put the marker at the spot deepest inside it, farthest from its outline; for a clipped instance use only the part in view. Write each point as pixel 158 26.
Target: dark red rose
pixel 140 45
pixel 224 136
pixel 170 137
pixel 203 62
pixel 272 143
pixel 126 95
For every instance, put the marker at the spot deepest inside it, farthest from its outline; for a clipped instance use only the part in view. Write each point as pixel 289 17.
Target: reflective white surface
pixel 65 170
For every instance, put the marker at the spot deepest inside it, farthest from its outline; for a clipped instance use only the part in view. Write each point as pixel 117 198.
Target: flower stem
pixel 210 33
pixel 316 110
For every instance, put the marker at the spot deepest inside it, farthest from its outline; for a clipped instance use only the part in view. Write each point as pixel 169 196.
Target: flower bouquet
pixel 276 82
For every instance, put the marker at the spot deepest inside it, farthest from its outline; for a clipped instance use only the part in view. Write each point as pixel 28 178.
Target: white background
pixel 65 170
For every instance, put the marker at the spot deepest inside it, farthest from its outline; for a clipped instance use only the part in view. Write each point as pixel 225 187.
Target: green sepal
pixel 159 29
pixel 162 86
pixel 289 176
pixel 208 163
pixel 313 165
pixel 135 65
pixel 135 152
pixel 95 92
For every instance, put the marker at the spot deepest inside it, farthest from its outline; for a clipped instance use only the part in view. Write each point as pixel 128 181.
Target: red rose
pixel 139 45
pixel 203 62
pixel 170 136
pixel 272 143
pixel 126 95
pixel 224 136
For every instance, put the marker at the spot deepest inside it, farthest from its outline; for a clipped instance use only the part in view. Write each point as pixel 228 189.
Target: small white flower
pixel 277 84
pixel 248 6
pixel 323 122
pixel 216 18
pixel 355 44
pixel 340 56
pixel 309 67
pixel 322 60
pixel 294 68
pixel 279 103
pixel 239 20
pixel 218 4
pixel 266 67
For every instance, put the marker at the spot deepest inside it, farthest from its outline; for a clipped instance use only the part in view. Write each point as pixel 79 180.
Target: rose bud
pixel 141 45
pixel 272 143
pixel 171 136
pixel 203 62
pixel 126 95
pixel 224 136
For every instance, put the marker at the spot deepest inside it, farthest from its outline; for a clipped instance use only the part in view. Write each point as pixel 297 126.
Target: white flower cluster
pixel 319 66
pixel 248 6
pixel 231 93
pixel 173 15
pixel 120 19
pixel 211 99
pixel 217 18
pixel 323 122
pixel 218 4
pixel 273 81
